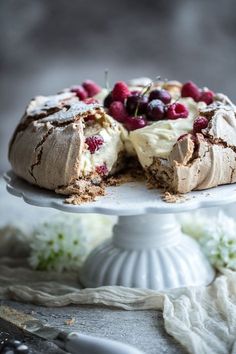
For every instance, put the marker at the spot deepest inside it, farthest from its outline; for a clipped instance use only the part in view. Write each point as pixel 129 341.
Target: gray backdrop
pixel 46 45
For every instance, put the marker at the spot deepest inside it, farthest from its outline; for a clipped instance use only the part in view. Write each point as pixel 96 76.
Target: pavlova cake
pixel 183 137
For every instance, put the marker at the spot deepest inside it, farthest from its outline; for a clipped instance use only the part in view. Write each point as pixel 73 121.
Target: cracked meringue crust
pixel 207 162
pixel 49 149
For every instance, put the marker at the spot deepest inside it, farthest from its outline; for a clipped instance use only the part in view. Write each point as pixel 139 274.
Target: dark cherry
pixel 133 123
pixel 155 110
pixel 136 100
pixel 108 100
pixel 161 95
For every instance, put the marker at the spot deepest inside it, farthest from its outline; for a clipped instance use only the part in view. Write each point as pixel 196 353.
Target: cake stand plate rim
pixel 128 199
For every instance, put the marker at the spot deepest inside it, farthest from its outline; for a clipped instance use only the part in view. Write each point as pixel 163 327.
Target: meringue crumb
pixel 70 321
pixel 173 198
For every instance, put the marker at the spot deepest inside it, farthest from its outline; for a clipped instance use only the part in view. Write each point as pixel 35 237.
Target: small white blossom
pixel 216 235
pixel 63 242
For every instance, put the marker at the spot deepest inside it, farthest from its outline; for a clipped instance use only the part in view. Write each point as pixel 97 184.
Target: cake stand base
pixel 147 251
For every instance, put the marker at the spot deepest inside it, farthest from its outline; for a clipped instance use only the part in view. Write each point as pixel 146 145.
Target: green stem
pixel 145 90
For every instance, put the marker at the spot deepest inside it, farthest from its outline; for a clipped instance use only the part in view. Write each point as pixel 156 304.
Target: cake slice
pixel 204 158
pixel 69 151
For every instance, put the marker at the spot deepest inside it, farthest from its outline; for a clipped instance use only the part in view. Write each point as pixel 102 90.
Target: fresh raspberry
pixel 90 118
pixel 176 110
pixel 207 97
pixel 80 92
pixel 190 89
pixel 94 143
pixel 90 100
pixel 120 91
pixel 102 170
pixel 133 123
pixel 199 124
pixel 91 87
pixel 117 110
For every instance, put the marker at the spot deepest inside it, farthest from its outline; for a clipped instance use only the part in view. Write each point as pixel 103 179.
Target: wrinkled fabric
pixel 202 319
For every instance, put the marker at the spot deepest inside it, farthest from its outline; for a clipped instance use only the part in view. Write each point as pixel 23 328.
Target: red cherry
pixel 94 143
pixel 207 97
pixel 117 110
pixel 199 124
pixel 190 89
pixel 108 100
pixel 136 101
pixel 155 110
pixel 162 95
pixel 79 91
pixel 91 87
pixel 177 110
pixel 133 123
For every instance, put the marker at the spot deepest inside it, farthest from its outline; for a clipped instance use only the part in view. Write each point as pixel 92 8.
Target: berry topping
pixel 133 123
pixel 91 87
pixel 189 89
pixel 199 124
pixel 117 110
pixel 90 118
pixel 207 97
pixel 136 101
pixel 90 100
pixel 94 143
pixel 120 91
pixel 102 170
pixel 80 92
pixel 162 95
pixel 177 110
pixel 108 100
pixel 155 110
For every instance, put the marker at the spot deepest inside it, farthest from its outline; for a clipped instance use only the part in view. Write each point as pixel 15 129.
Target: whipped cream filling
pixel 108 153
pixel 158 139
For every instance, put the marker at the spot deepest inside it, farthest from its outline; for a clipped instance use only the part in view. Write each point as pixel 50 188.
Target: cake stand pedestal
pixel 147 249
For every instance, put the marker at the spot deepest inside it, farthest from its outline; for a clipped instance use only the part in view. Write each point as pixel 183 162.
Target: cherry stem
pixel 143 92
pixel 106 79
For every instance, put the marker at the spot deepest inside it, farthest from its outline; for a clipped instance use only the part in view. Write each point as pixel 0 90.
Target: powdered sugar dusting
pixel 79 108
pixel 41 104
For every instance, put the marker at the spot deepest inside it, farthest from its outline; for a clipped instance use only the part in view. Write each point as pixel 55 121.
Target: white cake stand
pixel 148 249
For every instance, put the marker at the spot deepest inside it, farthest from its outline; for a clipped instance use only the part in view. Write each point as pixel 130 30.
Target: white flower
pixel 63 242
pixel 217 237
